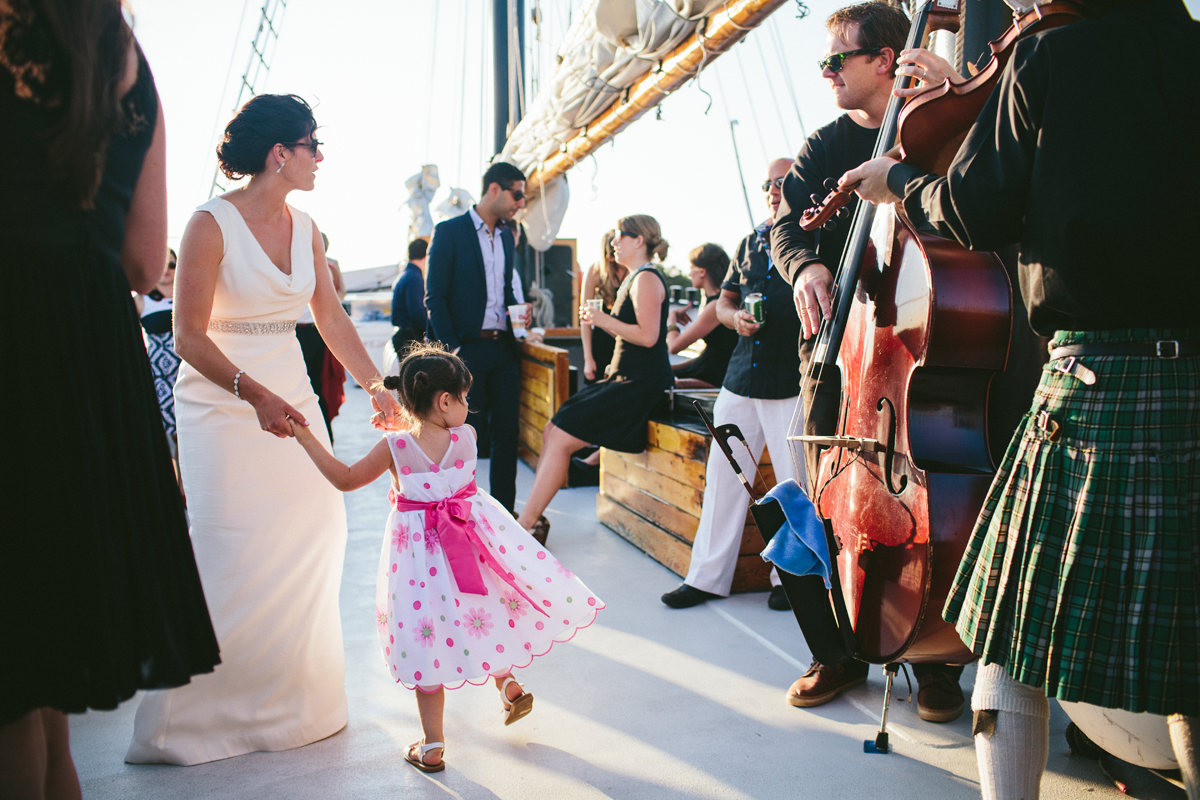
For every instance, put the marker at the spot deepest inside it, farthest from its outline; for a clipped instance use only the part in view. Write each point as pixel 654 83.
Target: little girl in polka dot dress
pixel 464 592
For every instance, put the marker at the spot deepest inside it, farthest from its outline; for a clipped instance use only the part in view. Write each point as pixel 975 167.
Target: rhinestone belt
pixel 252 328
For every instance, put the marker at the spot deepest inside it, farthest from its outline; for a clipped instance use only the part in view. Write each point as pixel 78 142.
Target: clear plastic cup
pixel 516 313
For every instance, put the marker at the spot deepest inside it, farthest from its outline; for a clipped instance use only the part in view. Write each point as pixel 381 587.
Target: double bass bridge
pixel 847 442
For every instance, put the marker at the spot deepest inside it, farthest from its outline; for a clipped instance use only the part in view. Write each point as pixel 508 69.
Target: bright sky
pixel 397 83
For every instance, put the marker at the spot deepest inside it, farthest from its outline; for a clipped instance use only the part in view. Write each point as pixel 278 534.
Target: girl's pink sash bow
pixel 451 518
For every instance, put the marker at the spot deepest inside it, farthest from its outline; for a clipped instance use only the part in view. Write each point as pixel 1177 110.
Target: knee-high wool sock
pixel 1183 742
pixel 1012 756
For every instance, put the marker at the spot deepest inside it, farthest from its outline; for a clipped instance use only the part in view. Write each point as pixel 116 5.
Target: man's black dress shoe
pixel 778 601
pixel 687 596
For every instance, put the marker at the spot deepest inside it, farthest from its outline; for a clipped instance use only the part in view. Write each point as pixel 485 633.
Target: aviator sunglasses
pixel 836 61
pixel 777 183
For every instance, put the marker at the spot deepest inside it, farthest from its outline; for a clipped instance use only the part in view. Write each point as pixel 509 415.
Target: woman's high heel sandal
pixel 515 709
pixel 421 748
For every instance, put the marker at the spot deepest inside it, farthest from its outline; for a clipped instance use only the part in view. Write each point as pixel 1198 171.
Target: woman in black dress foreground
pixel 612 413
pixel 99 594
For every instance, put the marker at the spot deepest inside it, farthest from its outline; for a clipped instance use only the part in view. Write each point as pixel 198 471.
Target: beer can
pixel 754 307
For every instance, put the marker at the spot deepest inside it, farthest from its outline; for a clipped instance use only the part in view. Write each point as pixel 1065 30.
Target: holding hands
pixel 275 414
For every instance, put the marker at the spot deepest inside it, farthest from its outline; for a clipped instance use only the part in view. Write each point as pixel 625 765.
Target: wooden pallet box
pixel 545 385
pixel 653 499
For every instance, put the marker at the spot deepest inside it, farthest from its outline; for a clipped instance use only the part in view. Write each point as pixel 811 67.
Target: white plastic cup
pixel 517 315
pixel 594 303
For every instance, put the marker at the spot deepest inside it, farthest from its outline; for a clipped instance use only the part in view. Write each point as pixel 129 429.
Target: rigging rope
pixel 781 54
pixel 225 86
pixel 750 99
pixel 432 61
pixel 762 57
pixel 462 93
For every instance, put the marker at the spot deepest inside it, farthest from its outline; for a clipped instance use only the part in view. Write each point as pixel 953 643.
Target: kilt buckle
pixel 1167 349
pixel 1071 366
pixel 1047 425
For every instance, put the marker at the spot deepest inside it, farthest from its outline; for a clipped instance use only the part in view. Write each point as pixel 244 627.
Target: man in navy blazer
pixel 470 284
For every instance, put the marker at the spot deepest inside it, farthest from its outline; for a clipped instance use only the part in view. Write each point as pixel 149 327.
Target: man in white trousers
pixel 759 395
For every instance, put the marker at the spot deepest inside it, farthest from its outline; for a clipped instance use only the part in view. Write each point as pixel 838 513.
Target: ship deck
pixel 648 703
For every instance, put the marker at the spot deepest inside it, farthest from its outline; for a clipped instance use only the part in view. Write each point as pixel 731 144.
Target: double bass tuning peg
pixel 815 198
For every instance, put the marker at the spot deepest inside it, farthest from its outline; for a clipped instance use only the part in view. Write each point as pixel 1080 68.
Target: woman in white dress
pixel 268 531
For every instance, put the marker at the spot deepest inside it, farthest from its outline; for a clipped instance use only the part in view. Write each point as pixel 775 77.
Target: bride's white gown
pixel 269 532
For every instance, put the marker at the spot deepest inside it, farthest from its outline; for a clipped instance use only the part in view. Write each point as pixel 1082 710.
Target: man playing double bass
pixel 860 64
pixel 1080 579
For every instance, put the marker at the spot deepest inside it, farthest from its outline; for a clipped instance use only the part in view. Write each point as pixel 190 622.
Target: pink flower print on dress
pixel 487 526
pixel 381 618
pixel 424 632
pixel 400 538
pixel 563 570
pixel 478 622
pixel 433 542
pixel 516 605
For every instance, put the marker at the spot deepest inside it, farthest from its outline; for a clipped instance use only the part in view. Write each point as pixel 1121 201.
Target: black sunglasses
pixel 835 62
pixel 313 145
pixel 626 234
pixel 517 194
pixel 777 183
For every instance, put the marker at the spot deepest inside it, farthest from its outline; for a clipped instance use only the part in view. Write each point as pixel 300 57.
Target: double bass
pixel 921 327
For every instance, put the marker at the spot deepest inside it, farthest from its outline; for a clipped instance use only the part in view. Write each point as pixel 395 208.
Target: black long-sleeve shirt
pixel 1088 155
pixel 832 151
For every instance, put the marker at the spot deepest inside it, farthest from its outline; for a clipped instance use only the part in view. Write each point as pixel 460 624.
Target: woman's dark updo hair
pixel 427 370
pixel 263 122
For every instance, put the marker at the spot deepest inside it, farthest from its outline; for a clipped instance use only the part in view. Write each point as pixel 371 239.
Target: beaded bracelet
pixel 236 393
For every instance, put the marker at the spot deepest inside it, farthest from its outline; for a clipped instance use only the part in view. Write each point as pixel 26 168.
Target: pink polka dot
pixel 406 470
pixel 433 570
pixel 486 665
pixel 540 625
pixel 548 579
pixel 401 443
pixel 512 624
pixel 542 556
pixel 427 486
pixel 481 559
pixel 527 647
pixel 457 623
pixel 434 468
pixel 449 643
pixel 458 464
pixel 417 675
pixel 410 583
pixel 520 547
pixel 591 601
pixel 460 670
pixel 454 437
pixel 393 567
pixel 422 584
pixel 546 603
pixel 470 523
pixel 387 651
pixel 391 639
pixel 416 538
pixel 400 625
pixel 417 605
pixel 499 648
pixel 456 604
pixel 502 550
pixel 436 665
pixel 566 622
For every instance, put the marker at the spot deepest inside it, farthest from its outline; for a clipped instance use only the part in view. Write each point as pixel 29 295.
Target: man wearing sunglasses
pixel 470 284
pixel 758 395
pixel 864 49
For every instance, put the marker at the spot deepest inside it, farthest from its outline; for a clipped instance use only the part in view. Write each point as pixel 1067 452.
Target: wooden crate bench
pixel 653 499
pixel 545 385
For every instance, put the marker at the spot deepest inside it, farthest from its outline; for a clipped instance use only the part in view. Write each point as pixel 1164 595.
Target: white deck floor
pixel 648 703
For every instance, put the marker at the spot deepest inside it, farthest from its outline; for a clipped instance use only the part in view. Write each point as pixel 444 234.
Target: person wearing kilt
pixel 1080 580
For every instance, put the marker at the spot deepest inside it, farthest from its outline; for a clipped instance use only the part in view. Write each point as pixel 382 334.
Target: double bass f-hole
pixel 889 453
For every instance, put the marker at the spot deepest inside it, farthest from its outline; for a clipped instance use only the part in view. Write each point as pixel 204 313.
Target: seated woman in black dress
pixel 613 412
pixel 709 263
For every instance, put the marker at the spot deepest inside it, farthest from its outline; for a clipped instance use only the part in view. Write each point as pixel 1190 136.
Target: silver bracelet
pixel 236 393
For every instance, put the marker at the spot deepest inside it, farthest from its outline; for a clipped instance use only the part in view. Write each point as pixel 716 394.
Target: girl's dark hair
pixel 713 259
pixel 428 369
pixel 263 122
pixel 95 39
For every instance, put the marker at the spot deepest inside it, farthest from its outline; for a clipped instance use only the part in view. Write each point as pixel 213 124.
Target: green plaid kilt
pixel 1081 574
